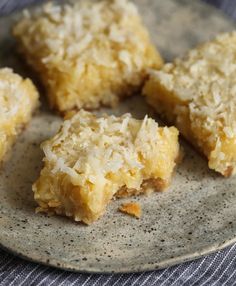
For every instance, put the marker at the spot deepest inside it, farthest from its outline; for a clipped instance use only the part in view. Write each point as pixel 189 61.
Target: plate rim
pixel 143 268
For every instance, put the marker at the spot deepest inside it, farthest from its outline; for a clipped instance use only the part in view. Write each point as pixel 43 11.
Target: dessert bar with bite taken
pixel 91 159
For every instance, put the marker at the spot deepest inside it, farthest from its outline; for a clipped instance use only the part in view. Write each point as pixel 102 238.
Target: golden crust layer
pixel 147 187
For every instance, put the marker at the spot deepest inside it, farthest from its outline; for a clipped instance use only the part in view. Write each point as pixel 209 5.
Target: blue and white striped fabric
pixel 218 269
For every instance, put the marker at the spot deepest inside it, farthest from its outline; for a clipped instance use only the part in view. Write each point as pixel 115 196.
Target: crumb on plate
pixel 131 208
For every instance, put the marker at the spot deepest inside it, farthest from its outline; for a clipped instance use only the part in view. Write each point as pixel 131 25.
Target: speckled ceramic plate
pixel 196 216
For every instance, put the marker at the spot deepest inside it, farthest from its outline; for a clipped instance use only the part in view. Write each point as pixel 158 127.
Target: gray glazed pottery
pixel 196 216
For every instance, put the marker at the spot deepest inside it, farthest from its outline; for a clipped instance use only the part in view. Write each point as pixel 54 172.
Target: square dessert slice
pixel 198 95
pixel 18 100
pixel 88 53
pixel 90 159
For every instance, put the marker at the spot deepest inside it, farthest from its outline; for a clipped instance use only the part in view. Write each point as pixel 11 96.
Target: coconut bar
pixel 91 159
pixel 87 54
pixel 18 100
pixel 198 95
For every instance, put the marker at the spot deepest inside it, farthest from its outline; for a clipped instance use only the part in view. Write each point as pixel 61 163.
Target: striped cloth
pixel 218 269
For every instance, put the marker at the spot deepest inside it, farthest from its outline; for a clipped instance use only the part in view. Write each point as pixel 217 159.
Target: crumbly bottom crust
pixel 148 186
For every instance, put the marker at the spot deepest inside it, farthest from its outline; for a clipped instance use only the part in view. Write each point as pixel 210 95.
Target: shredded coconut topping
pixel 18 99
pixel 89 148
pixel 204 85
pixel 14 99
pixel 206 80
pixel 91 158
pixel 104 40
